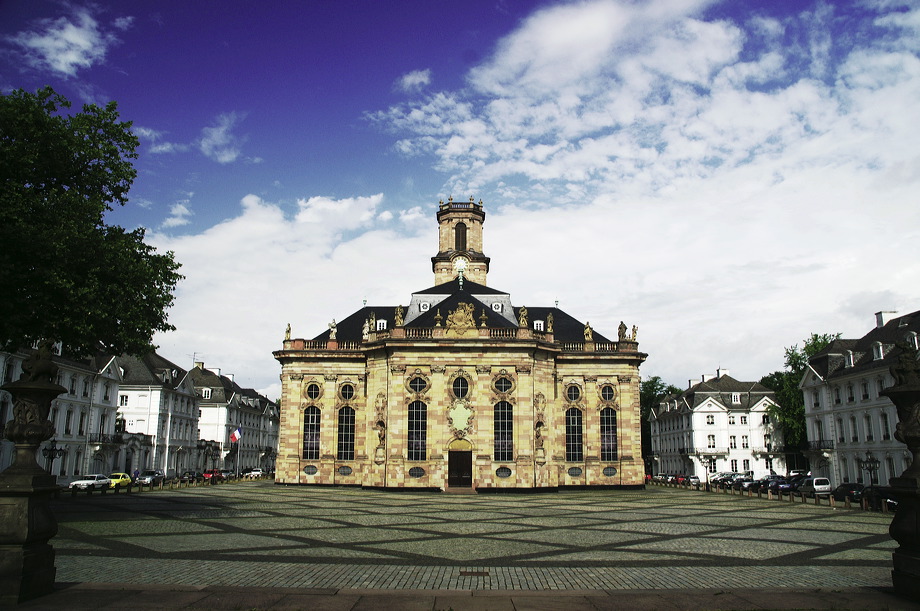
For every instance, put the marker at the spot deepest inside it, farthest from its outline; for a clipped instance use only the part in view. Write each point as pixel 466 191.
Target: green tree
pixel 65 274
pixel 651 391
pixel 790 413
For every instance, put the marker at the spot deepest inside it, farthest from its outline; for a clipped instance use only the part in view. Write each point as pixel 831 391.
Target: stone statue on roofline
pixel 333 329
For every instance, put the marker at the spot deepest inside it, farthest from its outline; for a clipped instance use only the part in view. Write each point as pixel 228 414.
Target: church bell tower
pixel 460 242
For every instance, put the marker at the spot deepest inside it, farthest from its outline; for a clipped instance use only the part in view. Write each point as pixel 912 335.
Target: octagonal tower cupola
pixel 460 242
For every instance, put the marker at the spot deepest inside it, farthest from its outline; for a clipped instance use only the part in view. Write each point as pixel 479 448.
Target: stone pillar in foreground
pixel 905 527
pixel 26 522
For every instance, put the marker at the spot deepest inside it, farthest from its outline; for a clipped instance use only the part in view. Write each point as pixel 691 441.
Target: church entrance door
pixel 460 469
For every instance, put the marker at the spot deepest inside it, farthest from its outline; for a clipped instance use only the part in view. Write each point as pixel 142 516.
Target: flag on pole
pixel 236 435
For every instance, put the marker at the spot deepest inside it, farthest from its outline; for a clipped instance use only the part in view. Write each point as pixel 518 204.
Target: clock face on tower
pixel 460 263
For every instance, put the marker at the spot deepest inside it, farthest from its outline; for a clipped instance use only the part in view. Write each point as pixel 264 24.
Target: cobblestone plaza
pixel 262 535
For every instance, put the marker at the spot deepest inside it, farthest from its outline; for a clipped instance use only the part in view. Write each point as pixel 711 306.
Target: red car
pixel 213 475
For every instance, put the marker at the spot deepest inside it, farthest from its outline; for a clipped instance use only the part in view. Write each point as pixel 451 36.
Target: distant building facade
pixel 718 424
pixel 460 388
pixel 157 398
pixel 225 408
pixel 84 417
pixel 849 424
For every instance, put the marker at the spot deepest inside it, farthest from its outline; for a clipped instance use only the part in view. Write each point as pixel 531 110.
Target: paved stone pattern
pixel 262 535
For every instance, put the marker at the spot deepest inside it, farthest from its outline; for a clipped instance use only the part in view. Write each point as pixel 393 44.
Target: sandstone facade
pixel 460 389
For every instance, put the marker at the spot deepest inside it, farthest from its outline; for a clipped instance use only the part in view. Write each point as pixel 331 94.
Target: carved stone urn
pixel 905 527
pixel 26 521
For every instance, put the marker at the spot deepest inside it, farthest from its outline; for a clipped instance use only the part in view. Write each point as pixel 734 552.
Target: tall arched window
pixel 418 430
pixel 573 444
pixel 504 431
pixel 608 434
pixel 311 433
pixel 460 237
pixel 346 434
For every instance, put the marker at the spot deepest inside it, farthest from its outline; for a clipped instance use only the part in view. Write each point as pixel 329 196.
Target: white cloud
pixel 68 44
pixel 692 176
pixel 280 263
pixel 179 214
pixel 218 142
pixel 413 82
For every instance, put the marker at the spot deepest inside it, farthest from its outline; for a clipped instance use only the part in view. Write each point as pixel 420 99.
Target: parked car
pixel 742 483
pixel 228 474
pixel 815 486
pixel 120 480
pixel 851 491
pixel 874 496
pixel 213 476
pixel 765 482
pixel 191 477
pixel 693 480
pixel 95 481
pixel 255 473
pixel 151 477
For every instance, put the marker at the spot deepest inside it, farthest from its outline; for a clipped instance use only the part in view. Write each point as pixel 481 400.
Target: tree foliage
pixel 65 274
pixel 790 413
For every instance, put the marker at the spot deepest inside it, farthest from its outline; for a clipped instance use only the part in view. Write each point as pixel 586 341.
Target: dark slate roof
pixel 449 288
pixel 149 370
pixel 350 328
pixel 565 327
pixel 223 388
pixel 721 389
pixel 831 362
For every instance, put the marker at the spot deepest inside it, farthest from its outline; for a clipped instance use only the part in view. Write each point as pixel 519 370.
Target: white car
pixel 254 474
pixel 96 481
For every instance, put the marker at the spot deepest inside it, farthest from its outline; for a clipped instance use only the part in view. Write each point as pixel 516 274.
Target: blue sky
pixel 728 176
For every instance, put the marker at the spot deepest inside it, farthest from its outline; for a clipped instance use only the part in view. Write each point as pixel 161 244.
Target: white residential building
pixel 157 398
pixel 225 407
pixel 849 424
pixel 717 424
pixel 84 417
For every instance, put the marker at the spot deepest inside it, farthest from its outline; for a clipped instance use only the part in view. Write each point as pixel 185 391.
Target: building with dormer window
pixel 84 417
pixel 460 389
pixel 157 399
pixel 850 425
pixel 718 424
pixel 226 408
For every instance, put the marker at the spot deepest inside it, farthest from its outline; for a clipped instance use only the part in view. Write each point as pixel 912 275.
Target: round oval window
pixel 503 385
pixel 344 470
pixel 573 393
pixel 503 472
pixel 313 391
pixel 607 392
pixel 461 387
pixel 310 469
pixel 348 391
pixel 610 471
pixel 416 472
pixel 575 472
pixel 418 384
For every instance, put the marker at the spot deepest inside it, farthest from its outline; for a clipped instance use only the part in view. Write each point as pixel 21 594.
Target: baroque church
pixel 461 389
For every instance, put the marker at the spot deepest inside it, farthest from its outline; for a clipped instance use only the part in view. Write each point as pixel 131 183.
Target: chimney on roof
pixel 692 383
pixel 882 318
pixel 707 377
pixel 721 372
pixel 199 365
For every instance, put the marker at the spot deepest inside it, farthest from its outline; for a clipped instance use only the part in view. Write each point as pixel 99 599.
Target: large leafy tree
pixel 790 413
pixel 65 274
pixel 651 391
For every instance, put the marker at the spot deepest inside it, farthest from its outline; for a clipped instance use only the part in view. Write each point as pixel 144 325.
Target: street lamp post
pixel 51 453
pixel 870 464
